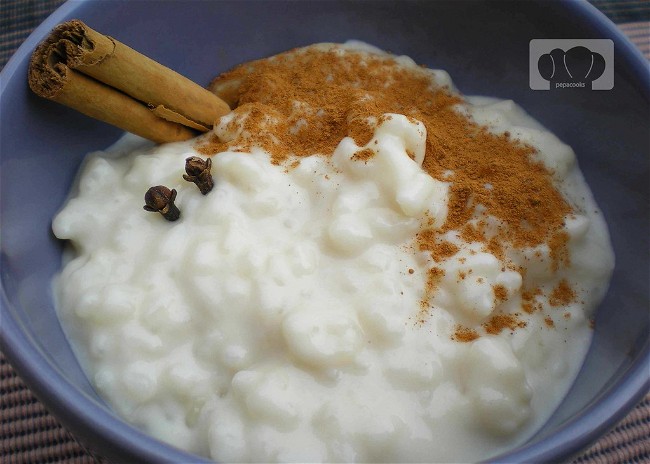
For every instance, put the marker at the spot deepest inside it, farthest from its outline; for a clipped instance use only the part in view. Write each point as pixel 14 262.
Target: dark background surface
pixel 28 433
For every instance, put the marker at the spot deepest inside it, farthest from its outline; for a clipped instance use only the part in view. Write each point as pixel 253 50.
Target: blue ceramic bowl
pixel 484 46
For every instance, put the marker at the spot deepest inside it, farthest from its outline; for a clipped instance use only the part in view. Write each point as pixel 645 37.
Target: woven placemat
pixel 29 434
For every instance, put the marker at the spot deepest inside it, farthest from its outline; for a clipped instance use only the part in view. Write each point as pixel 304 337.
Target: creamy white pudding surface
pixel 385 270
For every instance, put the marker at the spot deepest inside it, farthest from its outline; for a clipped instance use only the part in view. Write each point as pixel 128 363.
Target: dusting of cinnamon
pixel 434 275
pixel 339 92
pixel 428 241
pixel 464 334
pixel 500 292
pixel 363 155
pixel 495 247
pixel 562 294
pixel 473 232
pixel 558 250
pixel 549 322
pixel 305 101
pixel 500 322
pixel 433 278
pixel 529 301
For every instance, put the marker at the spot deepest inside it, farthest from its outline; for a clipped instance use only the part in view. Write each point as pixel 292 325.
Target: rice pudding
pixel 385 269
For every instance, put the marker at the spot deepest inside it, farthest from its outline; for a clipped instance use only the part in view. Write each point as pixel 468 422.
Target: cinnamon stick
pixel 103 78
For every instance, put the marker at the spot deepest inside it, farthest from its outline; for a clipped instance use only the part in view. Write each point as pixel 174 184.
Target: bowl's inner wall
pixel 483 46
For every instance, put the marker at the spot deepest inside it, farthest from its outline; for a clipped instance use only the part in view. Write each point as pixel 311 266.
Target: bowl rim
pixel 95 424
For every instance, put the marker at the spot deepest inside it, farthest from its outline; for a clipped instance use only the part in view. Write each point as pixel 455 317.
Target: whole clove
pixel 198 171
pixel 160 199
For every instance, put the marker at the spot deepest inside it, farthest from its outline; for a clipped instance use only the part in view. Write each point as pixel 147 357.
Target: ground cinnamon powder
pixel 465 334
pixel 529 302
pixel 562 294
pixel 500 322
pixel 303 102
pixel 363 155
pixel 500 292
